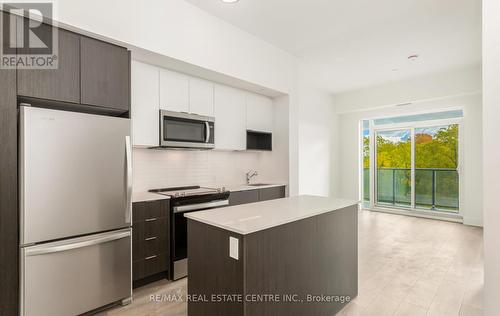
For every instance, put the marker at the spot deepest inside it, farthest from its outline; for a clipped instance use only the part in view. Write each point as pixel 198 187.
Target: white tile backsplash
pixel 167 168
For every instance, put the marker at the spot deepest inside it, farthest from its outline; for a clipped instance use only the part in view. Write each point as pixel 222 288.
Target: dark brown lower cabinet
pixel 306 267
pixel 151 241
pixel 9 221
pixel 271 193
pixel 256 195
pixel 148 267
pixel 243 197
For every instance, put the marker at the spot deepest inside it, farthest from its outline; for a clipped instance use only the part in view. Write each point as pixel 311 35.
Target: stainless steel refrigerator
pixel 75 211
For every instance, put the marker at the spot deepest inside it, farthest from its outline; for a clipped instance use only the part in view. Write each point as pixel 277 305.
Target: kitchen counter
pixel 291 256
pixel 249 218
pixel 149 196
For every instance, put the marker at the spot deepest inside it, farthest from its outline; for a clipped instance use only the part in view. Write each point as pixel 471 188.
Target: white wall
pixel 491 131
pixel 472 170
pixel 179 30
pixel 275 165
pixel 462 81
pixel 317 139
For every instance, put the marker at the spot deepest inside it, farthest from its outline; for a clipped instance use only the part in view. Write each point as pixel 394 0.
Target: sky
pixel 404 134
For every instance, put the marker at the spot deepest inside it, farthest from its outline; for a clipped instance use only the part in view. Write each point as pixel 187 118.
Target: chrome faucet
pixel 251 174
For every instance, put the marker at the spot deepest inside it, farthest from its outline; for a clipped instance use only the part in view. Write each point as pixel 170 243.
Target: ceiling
pixel 353 44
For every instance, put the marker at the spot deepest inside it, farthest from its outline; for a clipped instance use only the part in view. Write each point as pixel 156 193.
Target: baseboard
pixel 473 221
pixel 418 213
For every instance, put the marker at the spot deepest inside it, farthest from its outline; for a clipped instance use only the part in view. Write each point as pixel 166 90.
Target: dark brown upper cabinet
pixel 61 84
pixel 105 74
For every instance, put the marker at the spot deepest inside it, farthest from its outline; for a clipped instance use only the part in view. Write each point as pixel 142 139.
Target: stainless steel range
pixel 183 200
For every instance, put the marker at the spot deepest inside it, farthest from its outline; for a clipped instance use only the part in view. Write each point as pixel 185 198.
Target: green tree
pixel 366 152
pixel 441 151
pixel 393 154
pixel 431 151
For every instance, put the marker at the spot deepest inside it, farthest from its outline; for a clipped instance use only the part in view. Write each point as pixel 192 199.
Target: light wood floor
pixel 407 266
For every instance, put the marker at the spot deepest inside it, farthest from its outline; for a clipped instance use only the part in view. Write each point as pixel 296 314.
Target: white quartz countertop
pixel 149 196
pixel 249 218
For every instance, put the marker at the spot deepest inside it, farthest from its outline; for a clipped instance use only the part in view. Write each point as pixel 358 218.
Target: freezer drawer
pixel 74 276
pixel 75 174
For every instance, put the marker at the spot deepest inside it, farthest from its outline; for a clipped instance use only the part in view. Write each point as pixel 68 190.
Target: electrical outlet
pixel 234 244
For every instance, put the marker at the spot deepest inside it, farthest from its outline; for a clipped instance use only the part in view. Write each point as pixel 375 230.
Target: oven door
pixel 179 233
pixel 183 130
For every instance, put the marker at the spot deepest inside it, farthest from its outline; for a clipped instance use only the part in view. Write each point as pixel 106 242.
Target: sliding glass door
pixel 436 167
pixel 416 166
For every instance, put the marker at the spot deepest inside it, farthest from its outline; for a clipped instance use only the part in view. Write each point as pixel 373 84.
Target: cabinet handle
pixel 151 257
pixel 151 219
pixel 150 238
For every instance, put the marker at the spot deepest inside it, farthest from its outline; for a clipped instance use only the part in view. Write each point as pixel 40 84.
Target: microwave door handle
pixel 207 127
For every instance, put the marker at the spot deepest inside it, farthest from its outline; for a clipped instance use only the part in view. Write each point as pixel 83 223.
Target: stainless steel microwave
pixel 184 130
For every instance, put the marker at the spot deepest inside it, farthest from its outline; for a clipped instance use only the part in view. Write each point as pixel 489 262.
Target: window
pixel 416 161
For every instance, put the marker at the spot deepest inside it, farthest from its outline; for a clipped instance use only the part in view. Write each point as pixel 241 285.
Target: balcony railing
pixel 435 189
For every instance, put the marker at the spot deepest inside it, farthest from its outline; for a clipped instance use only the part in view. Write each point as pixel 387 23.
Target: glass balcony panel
pixel 402 189
pixel 447 190
pixel 385 188
pixel 366 184
pixel 423 188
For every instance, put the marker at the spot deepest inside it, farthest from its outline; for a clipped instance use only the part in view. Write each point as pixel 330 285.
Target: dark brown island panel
pixel 308 266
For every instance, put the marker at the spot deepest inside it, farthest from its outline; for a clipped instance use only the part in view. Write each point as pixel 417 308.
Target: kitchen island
pixel 290 256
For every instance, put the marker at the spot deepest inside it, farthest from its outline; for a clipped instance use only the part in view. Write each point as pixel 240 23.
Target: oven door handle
pixel 199 206
pixel 207 132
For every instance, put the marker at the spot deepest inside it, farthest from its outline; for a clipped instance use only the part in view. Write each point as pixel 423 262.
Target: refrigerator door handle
pixel 128 150
pixel 72 244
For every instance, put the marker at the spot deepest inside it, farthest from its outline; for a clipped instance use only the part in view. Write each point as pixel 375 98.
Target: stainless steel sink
pixel 258 184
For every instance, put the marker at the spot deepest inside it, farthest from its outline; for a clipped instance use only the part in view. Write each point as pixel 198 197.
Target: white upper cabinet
pixel 182 93
pixel 145 104
pixel 235 111
pixel 201 97
pixel 174 91
pixel 260 113
pixel 230 118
